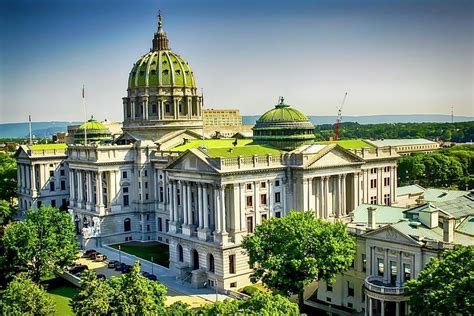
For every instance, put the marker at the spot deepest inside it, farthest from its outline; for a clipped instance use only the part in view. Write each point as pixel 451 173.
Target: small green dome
pixel 284 128
pixel 161 68
pixel 95 131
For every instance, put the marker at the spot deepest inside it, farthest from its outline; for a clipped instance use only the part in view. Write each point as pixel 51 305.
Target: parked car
pixel 93 255
pixel 152 277
pixel 126 268
pixel 78 268
pixel 88 252
pixel 100 257
pixel 118 266
pixel 101 276
pixel 112 264
pixel 145 274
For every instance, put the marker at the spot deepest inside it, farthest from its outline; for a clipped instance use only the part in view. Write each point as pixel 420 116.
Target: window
pixel 51 186
pixel 63 185
pixel 125 200
pixel 277 183
pixel 380 266
pixel 263 185
pixel 264 217
pixel 350 289
pixel 373 170
pixel 263 199
pixel 147 228
pixel 51 165
pixel 64 203
pixel 146 185
pixel 249 186
pixel 364 263
pixel 393 272
pixel 386 169
pixel 161 194
pixel 233 284
pixel 51 173
pixel 53 203
pixel 167 225
pixel 277 197
pixel 328 287
pixel 277 214
pixel 386 199
pixel 407 271
pixel 373 183
pixel 61 172
pixel 249 201
pixel 40 204
pixel 146 196
pixel 250 224
pixel 232 264
pixel 160 224
pixel 127 226
pixel 124 175
pixel 373 200
pixel 386 181
pixel 167 107
pixel 180 253
pixel 210 264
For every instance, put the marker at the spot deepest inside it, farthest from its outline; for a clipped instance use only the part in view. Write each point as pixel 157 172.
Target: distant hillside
pixel 377 119
pixel 39 129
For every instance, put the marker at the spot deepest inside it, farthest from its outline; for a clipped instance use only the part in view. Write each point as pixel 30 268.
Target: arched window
pixel 127 226
pixel 180 253
pixel 210 263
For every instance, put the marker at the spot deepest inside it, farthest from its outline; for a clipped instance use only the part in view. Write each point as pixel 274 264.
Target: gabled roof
pixel 410 190
pixel 343 154
pixel 459 207
pixel 383 214
pixel 193 153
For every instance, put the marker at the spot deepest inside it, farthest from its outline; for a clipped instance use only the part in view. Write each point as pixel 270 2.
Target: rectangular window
pixel 407 271
pixel 147 217
pixel 51 173
pixel 146 185
pixel 277 214
pixel 386 181
pixel 249 201
pixel 263 199
pixel 124 175
pixel 373 200
pixel 167 225
pixel 146 196
pixel 53 203
pixel 39 204
pixel 146 173
pixel 263 185
pixel 386 169
pixel 147 228
pixel 277 197
pixel 63 185
pixel 350 289
pixel 386 199
pixel 373 183
pixel 264 217
pixel 161 194
pixel 160 224
pixel 380 267
pixel 373 170
pixel 393 272
pixel 125 190
pixel 277 183
pixel 232 264
pixel 51 186
pixel 250 224
pixel 249 186
pixel 328 287
pixel 364 263
pixel 64 203
pixel 61 172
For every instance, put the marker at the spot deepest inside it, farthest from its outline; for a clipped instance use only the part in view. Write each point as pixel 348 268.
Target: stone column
pixel 18 177
pixel 78 174
pixel 382 302
pixel 344 196
pixel 132 109
pixel 223 209
pixel 386 266
pixel 217 206
pixel 89 190
pixel 189 202
pixel 325 197
pixel 183 190
pixel 413 276
pixel 145 109
pixel 370 306
pixel 373 261
pixel 380 186
pixel 397 309
pixel 33 180
pixel 199 205
pixel 205 206
pixel 393 194
pixel 355 190
pixel 305 194
pixel 72 186
pixel 339 196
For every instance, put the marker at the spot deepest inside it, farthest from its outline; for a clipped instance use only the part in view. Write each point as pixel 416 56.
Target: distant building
pixel 60 138
pixel 407 146
pixel 228 131
pixel 213 117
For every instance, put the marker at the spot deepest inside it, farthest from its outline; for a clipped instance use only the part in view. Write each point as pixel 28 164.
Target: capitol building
pixel 161 180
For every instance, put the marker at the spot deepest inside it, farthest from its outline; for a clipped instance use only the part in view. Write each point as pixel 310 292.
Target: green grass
pixel 62 297
pixel 212 143
pixel 160 252
pixel 48 146
pixel 242 151
pixel 348 143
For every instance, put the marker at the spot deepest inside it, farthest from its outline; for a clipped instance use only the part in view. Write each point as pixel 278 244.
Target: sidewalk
pixel 165 276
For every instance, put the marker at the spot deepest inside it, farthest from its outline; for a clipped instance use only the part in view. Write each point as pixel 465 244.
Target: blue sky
pixel 393 57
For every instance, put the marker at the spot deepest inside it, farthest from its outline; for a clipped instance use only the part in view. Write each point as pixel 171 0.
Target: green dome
pixel 284 128
pixel 95 131
pixel 161 68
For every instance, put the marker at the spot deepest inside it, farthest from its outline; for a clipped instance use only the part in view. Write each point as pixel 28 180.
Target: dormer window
pixel 178 72
pixel 165 72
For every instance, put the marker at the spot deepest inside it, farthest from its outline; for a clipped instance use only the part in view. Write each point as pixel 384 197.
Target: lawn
pixel 146 250
pixel 242 151
pixel 62 295
pixel 348 143
pixel 213 143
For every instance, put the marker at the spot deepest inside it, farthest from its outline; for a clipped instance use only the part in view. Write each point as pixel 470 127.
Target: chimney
pixel 448 229
pixel 371 213
pixel 420 200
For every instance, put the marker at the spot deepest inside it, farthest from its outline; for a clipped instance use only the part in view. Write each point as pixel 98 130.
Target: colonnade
pixel 140 108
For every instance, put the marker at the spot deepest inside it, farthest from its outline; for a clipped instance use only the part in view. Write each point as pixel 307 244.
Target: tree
pixel 226 307
pixel 7 177
pixel 24 297
pixel 129 294
pixel 179 309
pixel 95 296
pixel 7 211
pixel 290 252
pixel 444 286
pixel 41 244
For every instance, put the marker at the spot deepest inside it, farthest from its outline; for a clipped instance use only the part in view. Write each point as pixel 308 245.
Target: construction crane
pixel 339 117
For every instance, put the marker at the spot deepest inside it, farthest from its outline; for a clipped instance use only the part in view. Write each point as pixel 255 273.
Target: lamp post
pixel 215 285
pixel 120 254
pixel 151 265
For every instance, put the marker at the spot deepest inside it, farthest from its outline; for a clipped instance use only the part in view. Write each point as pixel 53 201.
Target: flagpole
pixel 202 117
pixel 29 124
pixel 85 115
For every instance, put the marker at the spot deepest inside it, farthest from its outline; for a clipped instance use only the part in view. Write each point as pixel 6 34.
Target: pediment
pixel 390 234
pixel 21 153
pixel 189 161
pixel 336 156
pixel 174 139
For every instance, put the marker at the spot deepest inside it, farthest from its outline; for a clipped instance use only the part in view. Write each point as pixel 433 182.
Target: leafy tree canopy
pixel 290 252
pixel 445 286
pixel 8 176
pixel 7 212
pixel 41 244
pixel 24 297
